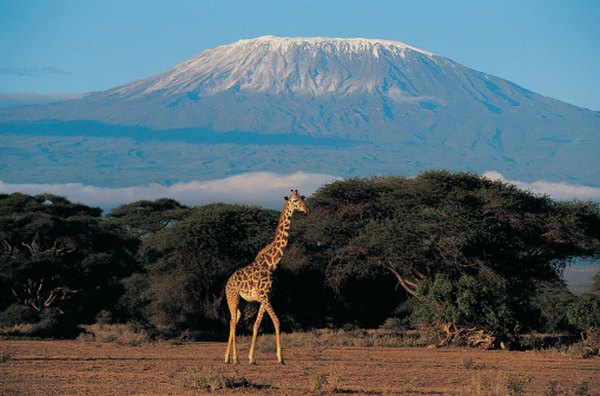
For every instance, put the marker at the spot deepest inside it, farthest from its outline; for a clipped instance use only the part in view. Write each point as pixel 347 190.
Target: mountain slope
pixel 416 104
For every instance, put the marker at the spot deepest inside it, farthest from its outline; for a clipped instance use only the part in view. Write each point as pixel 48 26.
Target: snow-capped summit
pixel 269 64
pixel 333 44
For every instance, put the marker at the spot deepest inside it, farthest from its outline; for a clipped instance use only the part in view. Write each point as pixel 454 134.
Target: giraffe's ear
pixel 286 198
pixel 302 197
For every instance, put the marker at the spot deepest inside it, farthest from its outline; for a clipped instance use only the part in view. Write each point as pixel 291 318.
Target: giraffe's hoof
pixel 253 361
pixel 282 362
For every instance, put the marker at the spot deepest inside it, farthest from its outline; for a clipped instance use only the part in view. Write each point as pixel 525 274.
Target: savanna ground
pixel 94 366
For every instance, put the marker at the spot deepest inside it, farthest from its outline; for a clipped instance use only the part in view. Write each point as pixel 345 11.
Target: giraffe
pixel 253 282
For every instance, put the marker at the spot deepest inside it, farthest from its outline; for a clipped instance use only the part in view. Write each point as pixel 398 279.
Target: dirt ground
pixel 79 367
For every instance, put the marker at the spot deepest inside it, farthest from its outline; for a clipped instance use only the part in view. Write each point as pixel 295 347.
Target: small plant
pixel 318 381
pixel 470 364
pixel 335 377
pixel 5 357
pixel 581 388
pixel 329 381
pixel 515 384
pixel 553 388
pixel 209 381
pixel 216 381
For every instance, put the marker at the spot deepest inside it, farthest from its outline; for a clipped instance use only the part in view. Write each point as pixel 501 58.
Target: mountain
pixel 338 106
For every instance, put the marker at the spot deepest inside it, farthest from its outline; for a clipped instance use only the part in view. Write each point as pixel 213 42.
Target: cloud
pixel 560 191
pixel 265 189
pixel 399 96
pixel 26 98
pixel 33 71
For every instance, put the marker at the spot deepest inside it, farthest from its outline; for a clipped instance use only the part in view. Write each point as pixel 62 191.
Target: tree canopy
pixel 145 218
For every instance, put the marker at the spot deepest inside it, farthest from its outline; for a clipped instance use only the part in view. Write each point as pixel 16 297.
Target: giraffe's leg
pixel 261 312
pixel 275 320
pixel 232 301
pixel 231 343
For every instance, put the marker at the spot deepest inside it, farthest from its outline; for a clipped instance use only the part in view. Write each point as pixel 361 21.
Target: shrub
pixel 552 300
pixel 5 356
pixel 54 324
pixel 212 382
pixel 515 384
pixel 470 364
pixel 466 311
pixel 585 315
pixel 585 312
pixel 18 314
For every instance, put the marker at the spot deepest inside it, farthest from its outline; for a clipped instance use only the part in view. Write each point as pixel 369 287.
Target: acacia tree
pixel 455 224
pixel 60 257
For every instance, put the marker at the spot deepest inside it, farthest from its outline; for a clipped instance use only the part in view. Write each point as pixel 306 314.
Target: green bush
pixel 18 314
pixel 585 312
pixel 585 315
pixel 552 300
pixel 468 310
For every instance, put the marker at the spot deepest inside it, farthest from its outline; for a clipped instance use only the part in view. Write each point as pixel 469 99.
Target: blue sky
pixel 58 46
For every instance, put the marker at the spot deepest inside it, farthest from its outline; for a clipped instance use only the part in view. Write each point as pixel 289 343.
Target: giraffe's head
pixel 296 201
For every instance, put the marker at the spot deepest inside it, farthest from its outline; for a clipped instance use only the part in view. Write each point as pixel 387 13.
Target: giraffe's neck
pixel 283 226
pixel 271 255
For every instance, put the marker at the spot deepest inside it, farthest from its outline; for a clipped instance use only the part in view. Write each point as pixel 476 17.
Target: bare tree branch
pixel 409 286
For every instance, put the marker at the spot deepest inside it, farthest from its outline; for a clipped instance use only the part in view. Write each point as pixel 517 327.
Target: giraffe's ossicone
pixel 253 282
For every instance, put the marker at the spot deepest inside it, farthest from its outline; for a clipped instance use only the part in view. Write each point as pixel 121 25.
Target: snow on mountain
pixel 362 85
pixel 305 66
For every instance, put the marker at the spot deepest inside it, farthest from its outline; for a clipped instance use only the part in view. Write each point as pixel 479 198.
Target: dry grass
pixel 117 333
pixel 210 380
pixel 515 385
pixel 330 380
pixel 320 338
pixel 470 364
